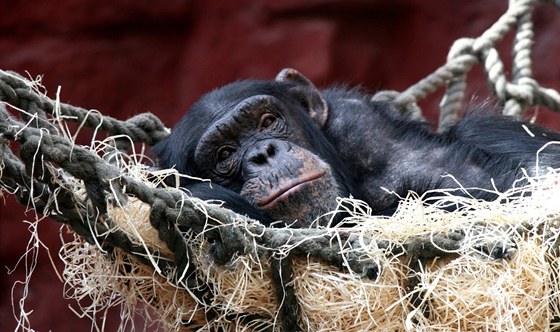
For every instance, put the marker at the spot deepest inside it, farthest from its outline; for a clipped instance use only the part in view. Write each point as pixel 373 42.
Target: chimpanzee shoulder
pixel 503 135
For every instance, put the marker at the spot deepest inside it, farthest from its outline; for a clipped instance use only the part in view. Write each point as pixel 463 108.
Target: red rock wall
pixel 128 56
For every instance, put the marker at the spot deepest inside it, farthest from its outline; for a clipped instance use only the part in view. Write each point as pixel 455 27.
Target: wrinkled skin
pixel 283 150
pixel 253 151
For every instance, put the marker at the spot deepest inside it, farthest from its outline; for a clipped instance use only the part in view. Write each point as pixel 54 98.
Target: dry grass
pixel 465 292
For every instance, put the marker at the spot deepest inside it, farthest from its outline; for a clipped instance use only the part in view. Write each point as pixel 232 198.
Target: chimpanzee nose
pixel 262 152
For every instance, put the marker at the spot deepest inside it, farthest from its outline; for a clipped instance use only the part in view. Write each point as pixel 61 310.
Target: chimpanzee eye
pixel 225 152
pixel 267 120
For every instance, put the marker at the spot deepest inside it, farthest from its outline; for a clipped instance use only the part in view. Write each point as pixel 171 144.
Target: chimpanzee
pixel 284 150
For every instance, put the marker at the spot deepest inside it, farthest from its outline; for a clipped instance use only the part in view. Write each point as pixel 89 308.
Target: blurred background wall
pixel 130 56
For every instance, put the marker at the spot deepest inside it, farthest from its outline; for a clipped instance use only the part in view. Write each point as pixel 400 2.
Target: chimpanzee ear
pixel 312 98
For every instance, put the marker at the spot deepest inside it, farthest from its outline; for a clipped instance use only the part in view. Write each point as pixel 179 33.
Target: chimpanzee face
pixel 262 145
pixel 262 148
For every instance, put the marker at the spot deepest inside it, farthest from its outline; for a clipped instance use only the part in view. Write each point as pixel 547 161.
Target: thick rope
pixel 517 95
pixel 33 176
pixel 42 155
pixel 84 165
pixel 20 93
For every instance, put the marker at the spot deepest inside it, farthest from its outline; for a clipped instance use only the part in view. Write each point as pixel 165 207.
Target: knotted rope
pixel 517 94
pixel 36 177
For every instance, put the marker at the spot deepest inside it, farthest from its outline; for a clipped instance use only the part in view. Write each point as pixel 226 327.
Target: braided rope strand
pixel 517 95
pixel 18 92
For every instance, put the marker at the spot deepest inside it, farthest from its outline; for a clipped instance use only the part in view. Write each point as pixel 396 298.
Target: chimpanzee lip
pixel 291 187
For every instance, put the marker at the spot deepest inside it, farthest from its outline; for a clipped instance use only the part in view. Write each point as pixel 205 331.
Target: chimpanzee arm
pixel 231 200
pixel 509 138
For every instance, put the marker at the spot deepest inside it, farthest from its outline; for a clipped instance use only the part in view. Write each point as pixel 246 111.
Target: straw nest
pixel 465 291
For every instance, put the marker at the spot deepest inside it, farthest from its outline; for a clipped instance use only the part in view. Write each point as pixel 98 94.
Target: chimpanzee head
pixel 263 141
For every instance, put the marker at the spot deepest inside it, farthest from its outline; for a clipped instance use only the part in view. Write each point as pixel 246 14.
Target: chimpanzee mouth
pixel 292 187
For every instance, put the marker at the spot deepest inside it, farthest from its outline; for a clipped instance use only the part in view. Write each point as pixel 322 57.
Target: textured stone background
pixel 129 56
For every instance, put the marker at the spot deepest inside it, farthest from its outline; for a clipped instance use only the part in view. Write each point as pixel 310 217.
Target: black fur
pixel 368 145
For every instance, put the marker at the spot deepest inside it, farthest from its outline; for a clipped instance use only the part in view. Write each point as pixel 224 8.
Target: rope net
pixel 138 244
